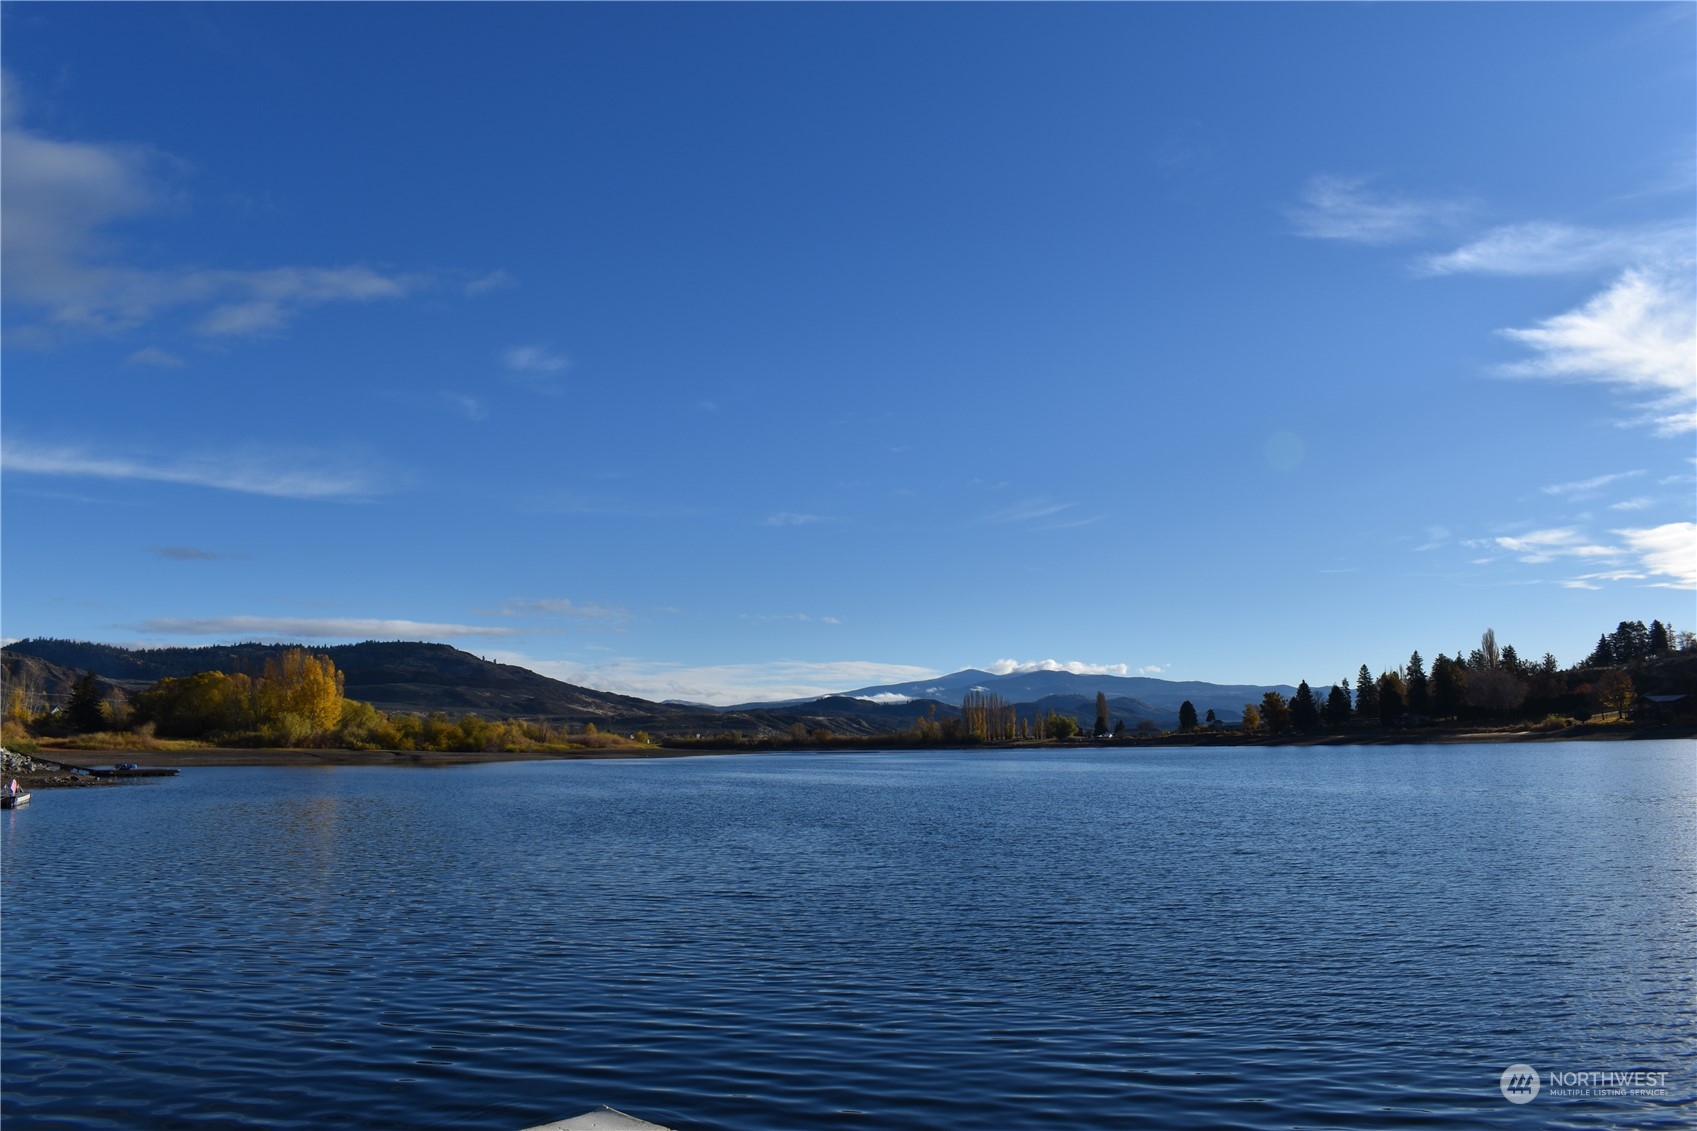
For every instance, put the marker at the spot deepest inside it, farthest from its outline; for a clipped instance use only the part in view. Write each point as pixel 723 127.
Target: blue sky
pixel 729 352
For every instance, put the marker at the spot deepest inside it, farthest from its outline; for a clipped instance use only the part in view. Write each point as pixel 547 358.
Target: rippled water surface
pixel 973 940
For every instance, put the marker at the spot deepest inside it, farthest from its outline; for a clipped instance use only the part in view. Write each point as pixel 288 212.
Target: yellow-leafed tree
pixel 300 687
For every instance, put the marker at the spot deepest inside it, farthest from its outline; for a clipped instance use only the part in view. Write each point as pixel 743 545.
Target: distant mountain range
pixel 403 677
pixel 422 677
pixel 1132 698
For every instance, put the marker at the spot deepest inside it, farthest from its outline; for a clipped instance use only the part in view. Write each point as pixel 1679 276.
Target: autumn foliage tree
pixel 299 696
pixel 1275 712
pixel 1615 691
pixel 987 717
pixel 197 706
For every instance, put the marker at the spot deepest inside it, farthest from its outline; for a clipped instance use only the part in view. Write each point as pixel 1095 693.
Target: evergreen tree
pixel 1392 698
pixel 1187 716
pixel 1275 712
pixel 1449 687
pixel 1419 694
pixel 1631 642
pixel 1659 643
pixel 1603 655
pixel 83 709
pixel 1366 695
pixel 1212 719
pixel 1337 706
pixel 1101 714
pixel 1304 712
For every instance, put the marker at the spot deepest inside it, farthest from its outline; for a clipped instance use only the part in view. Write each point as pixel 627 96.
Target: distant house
pixel 1663 708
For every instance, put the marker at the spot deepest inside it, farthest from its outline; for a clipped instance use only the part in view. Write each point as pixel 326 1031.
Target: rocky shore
pixel 34 773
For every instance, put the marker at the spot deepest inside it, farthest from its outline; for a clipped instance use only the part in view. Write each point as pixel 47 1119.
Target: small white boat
pixel 606 1119
pixel 13 800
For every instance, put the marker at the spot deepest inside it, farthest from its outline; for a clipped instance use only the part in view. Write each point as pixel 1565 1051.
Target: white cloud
pixel 315 628
pixel 790 518
pixel 1638 336
pixel 1076 667
pixel 1343 208
pixel 725 684
pixel 1557 249
pixel 1669 550
pixel 283 475
pixel 263 302
pixel 1638 504
pixel 57 202
pixel 1590 580
pixel 562 607
pixel 1540 546
pixel 534 360
pixel 888 698
pixel 1584 487
pixel 803 617
pixel 153 355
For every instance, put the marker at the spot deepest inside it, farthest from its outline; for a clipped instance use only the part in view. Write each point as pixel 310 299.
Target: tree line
pixel 296 701
pixel 1491 682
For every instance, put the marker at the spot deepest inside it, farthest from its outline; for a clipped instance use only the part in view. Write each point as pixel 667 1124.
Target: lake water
pixel 1254 938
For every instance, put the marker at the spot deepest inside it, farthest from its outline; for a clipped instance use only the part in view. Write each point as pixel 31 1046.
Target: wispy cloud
pixel 248 303
pixel 469 407
pixel 791 518
pixel 1076 667
pixel 1639 337
pixel 1436 537
pixel 1027 510
pixel 1591 580
pixel 316 628
pixel 61 197
pixel 534 360
pixel 1540 546
pixel 494 281
pixel 1638 504
pixel 1669 550
pixel 800 617
pixel 187 554
pixel 725 684
pixel 281 475
pixel 1347 208
pixel 1589 487
pixel 564 608
pixel 1541 248
pixel 537 368
pixel 154 356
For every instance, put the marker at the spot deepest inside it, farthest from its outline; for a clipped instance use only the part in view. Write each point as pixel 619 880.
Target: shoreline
pixel 239 756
